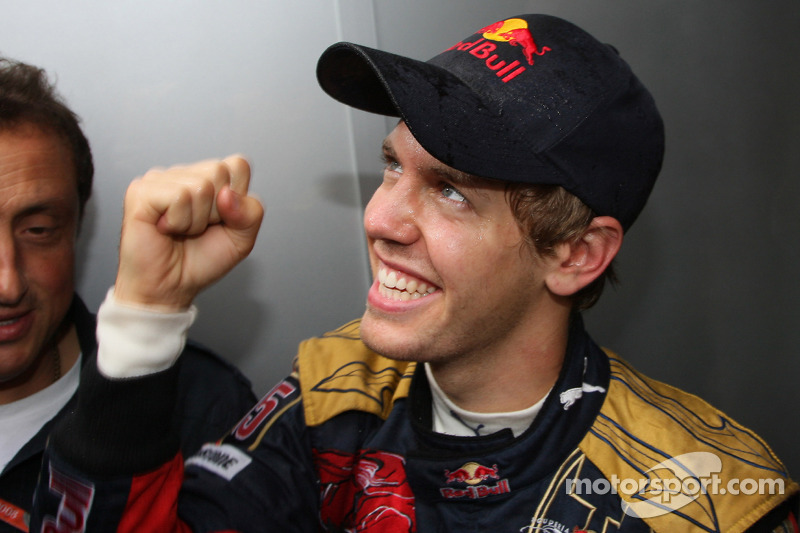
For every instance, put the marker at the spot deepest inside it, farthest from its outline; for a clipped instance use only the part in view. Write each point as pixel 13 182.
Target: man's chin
pixel 388 339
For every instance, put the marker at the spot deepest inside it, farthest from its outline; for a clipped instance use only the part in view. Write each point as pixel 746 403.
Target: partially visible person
pixel 47 333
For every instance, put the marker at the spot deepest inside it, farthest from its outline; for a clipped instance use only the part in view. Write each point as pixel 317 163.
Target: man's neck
pixel 50 365
pixel 510 380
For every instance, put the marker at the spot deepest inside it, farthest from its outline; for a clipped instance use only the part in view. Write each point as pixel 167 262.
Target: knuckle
pixel 183 195
pixel 134 191
pixel 221 172
pixel 238 165
pixel 155 173
pixel 205 190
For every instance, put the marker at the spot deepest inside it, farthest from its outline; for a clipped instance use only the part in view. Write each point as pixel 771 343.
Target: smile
pixel 9 321
pixel 13 328
pixel 394 285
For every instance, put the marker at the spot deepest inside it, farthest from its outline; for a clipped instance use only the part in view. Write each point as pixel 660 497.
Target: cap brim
pixel 443 113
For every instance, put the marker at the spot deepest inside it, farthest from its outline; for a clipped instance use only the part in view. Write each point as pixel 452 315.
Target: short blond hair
pixel 549 215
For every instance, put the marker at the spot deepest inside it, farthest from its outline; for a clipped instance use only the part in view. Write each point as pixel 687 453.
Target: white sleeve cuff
pixel 136 341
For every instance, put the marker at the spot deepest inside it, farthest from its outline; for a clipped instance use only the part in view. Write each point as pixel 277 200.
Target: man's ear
pixel 580 262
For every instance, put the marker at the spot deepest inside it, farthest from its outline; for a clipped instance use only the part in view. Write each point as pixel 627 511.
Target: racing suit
pixel 344 444
pixel 211 396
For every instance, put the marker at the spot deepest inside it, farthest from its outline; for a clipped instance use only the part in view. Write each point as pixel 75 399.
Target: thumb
pixel 241 215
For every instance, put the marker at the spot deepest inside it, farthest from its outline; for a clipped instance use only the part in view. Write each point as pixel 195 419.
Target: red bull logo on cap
pixel 512 31
pixel 473 475
pixel 515 32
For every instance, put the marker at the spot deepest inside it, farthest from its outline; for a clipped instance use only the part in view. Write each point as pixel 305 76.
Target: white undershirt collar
pixel 450 419
pixel 20 421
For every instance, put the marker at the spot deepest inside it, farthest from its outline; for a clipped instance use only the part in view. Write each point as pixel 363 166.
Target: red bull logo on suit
pixel 473 475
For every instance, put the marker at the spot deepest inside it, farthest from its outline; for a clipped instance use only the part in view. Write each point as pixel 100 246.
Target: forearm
pixel 123 421
pixel 119 448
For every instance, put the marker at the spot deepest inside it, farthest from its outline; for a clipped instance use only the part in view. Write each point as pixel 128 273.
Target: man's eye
pixel 394 166
pixel 38 230
pixel 38 233
pixel 451 193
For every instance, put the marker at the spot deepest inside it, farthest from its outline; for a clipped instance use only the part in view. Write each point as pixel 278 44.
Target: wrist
pixel 136 340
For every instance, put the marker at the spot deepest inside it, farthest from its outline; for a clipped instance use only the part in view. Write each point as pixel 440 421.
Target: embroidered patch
pixel 570 396
pixel 76 502
pixel 365 491
pixel 273 403
pixel 224 460
pixel 470 480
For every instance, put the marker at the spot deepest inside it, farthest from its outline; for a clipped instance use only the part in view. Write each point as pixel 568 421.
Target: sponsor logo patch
pixel 224 460
pixel 471 482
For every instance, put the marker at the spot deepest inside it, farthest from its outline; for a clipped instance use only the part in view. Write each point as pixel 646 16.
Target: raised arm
pixel 114 464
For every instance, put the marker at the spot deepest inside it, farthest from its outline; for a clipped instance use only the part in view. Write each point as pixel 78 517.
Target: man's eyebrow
pixel 46 207
pixel 457 177
pixel 387 149
pixel 464 179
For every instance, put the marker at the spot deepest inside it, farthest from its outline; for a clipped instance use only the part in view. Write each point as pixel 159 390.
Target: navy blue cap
pixel 530 99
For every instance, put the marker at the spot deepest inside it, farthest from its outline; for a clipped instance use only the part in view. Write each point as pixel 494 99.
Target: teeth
pixel 401 288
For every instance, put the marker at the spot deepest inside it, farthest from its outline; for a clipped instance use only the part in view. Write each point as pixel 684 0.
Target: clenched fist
pixel 184 228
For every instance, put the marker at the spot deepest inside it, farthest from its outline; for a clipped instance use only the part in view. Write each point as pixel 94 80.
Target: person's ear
pixel 578 263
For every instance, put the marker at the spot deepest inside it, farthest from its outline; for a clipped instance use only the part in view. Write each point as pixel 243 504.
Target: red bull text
pixel 513 32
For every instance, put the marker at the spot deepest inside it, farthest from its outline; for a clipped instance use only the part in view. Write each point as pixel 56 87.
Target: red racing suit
pixel 344 445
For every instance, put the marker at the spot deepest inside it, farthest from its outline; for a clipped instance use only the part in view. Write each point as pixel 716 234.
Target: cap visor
pixel 443 113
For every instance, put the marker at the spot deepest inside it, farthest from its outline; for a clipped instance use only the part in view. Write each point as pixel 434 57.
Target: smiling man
pixel 468 397
pixel 39 216
pixel 46 332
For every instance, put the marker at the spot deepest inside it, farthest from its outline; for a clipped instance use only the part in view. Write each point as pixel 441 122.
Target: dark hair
pixel 28 97
pixel 549 215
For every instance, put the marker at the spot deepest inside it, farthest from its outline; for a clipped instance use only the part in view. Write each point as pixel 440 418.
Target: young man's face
pixel 464 282
pixel 38 227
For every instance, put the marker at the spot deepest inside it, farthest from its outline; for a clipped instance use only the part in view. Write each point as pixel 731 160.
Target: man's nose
pixel 392 213
pixel 12 280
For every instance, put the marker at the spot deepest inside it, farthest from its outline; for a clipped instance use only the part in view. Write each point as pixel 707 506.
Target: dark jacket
pixel 213 396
